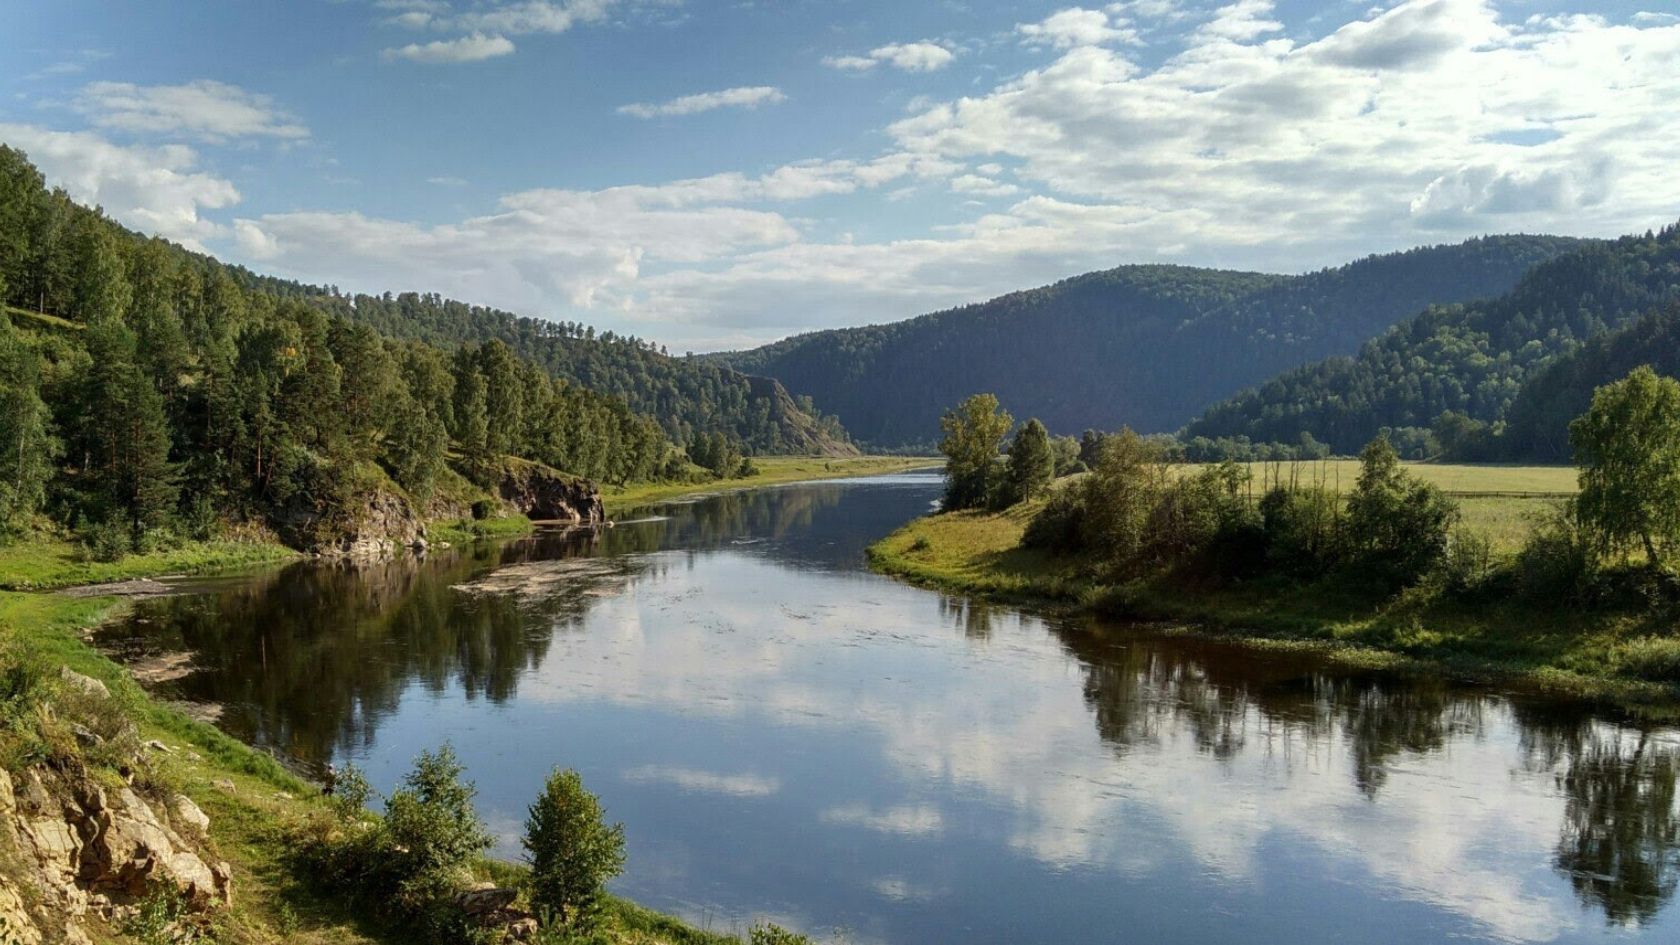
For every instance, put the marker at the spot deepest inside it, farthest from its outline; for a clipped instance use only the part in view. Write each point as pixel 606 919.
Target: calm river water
pixel 787 736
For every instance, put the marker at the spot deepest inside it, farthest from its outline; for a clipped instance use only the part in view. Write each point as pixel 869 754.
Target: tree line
pixel 150 393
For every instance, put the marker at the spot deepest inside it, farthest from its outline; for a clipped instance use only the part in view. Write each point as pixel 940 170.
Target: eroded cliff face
pixel 384 521
pixel 548 495
pixel 76 850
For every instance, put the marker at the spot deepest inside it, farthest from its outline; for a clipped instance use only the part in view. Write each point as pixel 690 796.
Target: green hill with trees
pixel 1452 377
pixel 1143 346
pixel 151 394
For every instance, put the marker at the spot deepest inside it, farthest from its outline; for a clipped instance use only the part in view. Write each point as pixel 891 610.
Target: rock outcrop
pixel 544 494
pixel 84 848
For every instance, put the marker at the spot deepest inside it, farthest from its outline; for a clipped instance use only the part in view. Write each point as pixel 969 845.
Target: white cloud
pixel 1425 121
pixel 924 56
pixel 705 782
pixel 475 47
pixel 153 189
pixel 530 16
pixel 447 181
pixel 918 820
pixel 983 186
pixel 204 109
pixel 1076 27
pixel 743 97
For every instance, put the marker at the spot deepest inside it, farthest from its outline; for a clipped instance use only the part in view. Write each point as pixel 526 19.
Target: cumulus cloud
pixel 705 782
pixel 208 111
pixel 1076 27
pixel 743 97
pixel 1423 121
pixel 527 16
pixel 924 56
pixel 471 48
pixel 154 189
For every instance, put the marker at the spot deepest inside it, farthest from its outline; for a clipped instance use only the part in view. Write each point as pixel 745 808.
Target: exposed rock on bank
pixel 544 494
pixel 82 848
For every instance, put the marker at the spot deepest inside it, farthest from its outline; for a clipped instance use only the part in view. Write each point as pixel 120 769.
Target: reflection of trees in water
pixel 1620 842
pixel 314 657
pixel 1619 837
pixel 973 615
pixel 1137 689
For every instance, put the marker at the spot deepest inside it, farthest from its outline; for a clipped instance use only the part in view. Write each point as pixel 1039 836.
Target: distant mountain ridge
pixel 1149 346
pixel 1474 359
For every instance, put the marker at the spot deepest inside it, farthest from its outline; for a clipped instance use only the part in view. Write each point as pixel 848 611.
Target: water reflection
pixel 787 735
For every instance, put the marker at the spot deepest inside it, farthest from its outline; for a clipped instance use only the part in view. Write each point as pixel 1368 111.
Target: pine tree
pixel 126 434
pixel 26 447
pixel 1031 463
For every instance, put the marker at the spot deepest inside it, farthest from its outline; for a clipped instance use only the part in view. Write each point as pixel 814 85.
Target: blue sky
pixel 714 174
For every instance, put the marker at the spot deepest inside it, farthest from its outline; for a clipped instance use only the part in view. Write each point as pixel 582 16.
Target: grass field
pixel 1456 479
pixel 772 470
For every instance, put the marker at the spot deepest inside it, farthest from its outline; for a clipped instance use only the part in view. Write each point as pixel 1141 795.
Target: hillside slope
pixel 1147 346
pixel 1472 359
pixel 686 395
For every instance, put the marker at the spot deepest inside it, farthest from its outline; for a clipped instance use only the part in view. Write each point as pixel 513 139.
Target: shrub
pixel 432 828
pixel 1192 513
pixel 573 852
pixel 105 541
pixel 1057 526
pixel 1557 561
pixel 1468 563
pixel 768 933
pixel 1397 526
pixel 1653 658
pixel 1303 528
pixel 1119 496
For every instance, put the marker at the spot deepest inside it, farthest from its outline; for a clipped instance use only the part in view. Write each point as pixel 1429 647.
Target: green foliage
pixel 573 852
pixel 431 825
pixel 27 447
pixel 1118 498
pixel 974 433
pixel 1032 464
pixel 1144 346
pixel 1397 525
pixel 187 394
pixel 768 933
pixel 1507 357
pixel 1303 527
pixel 685 395
pixel 1628 447
pixel 1468 564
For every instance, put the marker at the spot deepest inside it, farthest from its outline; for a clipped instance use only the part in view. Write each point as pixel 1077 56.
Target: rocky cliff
pixel 544 494
pixel 78 849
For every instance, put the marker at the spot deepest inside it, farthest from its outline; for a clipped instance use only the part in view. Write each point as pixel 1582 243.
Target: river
pixel 787 736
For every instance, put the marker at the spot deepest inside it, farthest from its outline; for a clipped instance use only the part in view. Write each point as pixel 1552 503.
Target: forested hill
pixel 686 395
pixel 149 394
pixel 1470 359
pixel 1145 346
pixel 1537 422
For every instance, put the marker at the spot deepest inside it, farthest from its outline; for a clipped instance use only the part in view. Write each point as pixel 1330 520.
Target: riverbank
pixel 1492 637
pixel 772 471
pixel 257 809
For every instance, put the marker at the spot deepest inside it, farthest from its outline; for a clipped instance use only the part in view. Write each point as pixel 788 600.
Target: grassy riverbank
pixel 772 470
pixel 1493 635
pixel 46 563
